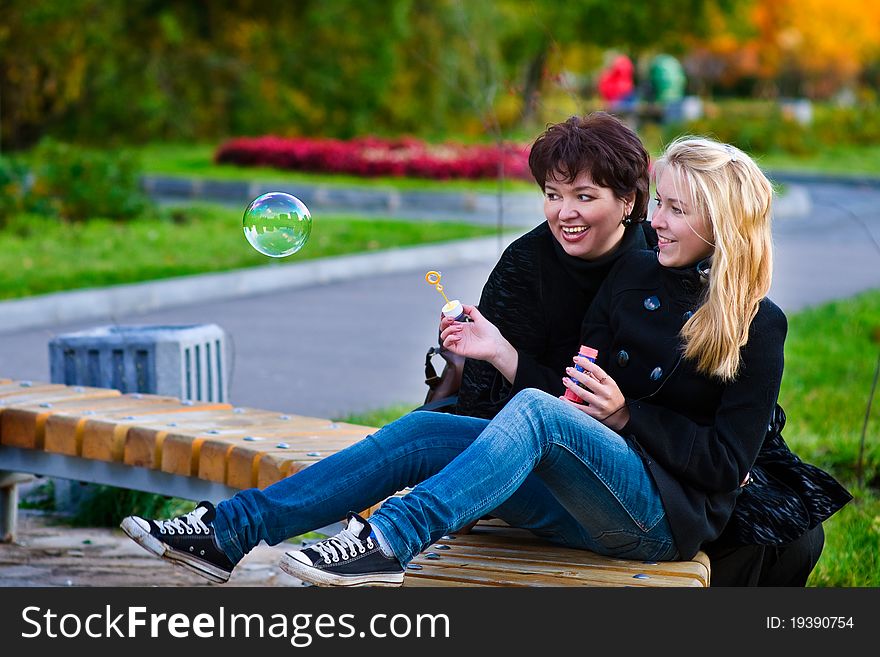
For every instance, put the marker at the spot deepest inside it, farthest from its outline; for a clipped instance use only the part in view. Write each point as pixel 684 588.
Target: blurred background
pixel 143 71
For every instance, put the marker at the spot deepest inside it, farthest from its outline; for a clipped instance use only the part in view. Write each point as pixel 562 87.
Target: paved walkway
pixel 509 208
pixel 46 555
pixel 329 349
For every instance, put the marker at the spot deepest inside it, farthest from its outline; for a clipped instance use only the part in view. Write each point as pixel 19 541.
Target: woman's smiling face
pixel 684 235
pixel 584 217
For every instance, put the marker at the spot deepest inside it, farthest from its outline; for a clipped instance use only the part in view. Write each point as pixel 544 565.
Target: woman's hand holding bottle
pixel 601 397
pixel 479 339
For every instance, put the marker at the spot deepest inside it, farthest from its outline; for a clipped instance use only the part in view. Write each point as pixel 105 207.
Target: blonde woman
pixel 649 466
pixel 697 349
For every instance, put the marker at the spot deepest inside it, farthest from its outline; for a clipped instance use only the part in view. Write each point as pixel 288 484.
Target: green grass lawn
pixel 831 354
pixel 40 255
pixel 841 160
pixel 197 161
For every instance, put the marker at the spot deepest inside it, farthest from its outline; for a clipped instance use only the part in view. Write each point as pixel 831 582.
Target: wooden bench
pixel 204 450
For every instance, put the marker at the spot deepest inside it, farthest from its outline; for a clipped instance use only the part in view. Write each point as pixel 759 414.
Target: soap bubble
pixel 277 224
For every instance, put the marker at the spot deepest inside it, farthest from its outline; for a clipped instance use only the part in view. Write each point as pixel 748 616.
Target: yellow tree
pixel 823 44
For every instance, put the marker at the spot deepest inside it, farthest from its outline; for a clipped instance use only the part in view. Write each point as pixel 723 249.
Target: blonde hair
pixel 729 190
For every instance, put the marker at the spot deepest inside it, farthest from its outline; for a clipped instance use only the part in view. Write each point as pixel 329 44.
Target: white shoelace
pixel 344 540
pixel 186 524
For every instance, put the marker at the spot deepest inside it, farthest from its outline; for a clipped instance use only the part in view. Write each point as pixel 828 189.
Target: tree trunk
pixel 532 86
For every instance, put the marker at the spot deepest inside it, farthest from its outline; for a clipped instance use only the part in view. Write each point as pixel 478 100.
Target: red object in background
pixel 616 82
pixel 373 156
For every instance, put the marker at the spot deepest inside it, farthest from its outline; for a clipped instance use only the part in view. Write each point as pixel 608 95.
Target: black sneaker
pixel 186 540
pixel 351 558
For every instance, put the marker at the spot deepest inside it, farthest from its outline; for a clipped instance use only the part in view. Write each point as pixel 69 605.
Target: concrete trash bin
pixel 187 361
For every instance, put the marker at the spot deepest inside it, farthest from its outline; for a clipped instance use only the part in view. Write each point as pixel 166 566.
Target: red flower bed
pixel 371 156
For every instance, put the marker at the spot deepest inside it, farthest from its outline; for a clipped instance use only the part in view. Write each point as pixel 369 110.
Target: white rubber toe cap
pixel 297 555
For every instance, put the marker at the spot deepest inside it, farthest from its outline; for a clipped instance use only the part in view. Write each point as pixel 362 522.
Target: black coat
pixel 698 437
pixel 537 296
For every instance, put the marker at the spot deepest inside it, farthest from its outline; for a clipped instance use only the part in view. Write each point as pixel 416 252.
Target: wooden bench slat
pixel 23 425
pixel 170 448
pixel 515 551
pixel 466 574
pixel 224 453
pixel 304 448
pixel 245 462
pixel 493 554
pixel 558 562
pixel 179 447
pixel 54 393
pixel 494 572
pixel 101 434
pixel 13 388
pixel 47 395
pixel 496 536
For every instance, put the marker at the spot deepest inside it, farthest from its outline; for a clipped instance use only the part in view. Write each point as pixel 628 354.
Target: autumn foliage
pixel 809 47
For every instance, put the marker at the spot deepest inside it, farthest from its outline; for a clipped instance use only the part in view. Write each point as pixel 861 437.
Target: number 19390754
pixel 809 623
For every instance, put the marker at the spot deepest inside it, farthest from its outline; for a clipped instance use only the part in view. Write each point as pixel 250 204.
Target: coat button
pixel 622 358
pixel 687 315
pixel 656 373
pixel 652 303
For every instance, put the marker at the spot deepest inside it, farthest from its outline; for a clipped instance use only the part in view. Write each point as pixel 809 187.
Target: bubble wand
pixel 453 309
pixel 433 278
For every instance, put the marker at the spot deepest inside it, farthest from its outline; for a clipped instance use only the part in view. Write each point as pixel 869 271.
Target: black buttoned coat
pixel 537 296
pixel 697 435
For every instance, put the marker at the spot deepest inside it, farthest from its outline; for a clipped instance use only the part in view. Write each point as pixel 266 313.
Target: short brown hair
pixel 601 145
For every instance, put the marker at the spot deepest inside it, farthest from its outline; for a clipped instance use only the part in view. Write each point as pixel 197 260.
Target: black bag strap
pixel 431 378
pixel 442 405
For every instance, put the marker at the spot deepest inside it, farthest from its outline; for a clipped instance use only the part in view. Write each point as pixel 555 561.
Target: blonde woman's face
pixel 684 235
pixel 584 217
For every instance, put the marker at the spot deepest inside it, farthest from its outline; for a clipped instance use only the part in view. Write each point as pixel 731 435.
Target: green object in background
pixel 667 78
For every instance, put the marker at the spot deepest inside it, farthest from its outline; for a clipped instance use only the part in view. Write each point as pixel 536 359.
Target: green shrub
pixel 77 183
pixel 857 126
pixel 765 128
pixel 106 506
pixel 13 188
pixel 769 133
pixel 41 498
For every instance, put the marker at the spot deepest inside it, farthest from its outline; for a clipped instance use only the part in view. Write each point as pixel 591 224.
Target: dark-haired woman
pixel 594 175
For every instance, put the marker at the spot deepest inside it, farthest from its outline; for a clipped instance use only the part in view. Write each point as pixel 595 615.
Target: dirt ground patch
pixel 47 553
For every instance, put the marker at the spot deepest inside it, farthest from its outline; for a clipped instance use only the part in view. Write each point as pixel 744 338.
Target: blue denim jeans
pixel 539 464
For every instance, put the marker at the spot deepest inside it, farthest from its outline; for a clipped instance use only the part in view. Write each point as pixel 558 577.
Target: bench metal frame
pixel 15 460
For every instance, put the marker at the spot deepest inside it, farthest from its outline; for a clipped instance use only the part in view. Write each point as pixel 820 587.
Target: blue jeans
pixel 539 464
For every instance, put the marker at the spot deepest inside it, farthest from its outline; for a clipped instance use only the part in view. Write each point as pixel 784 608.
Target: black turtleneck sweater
pixel 537 296
pixel 697 435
